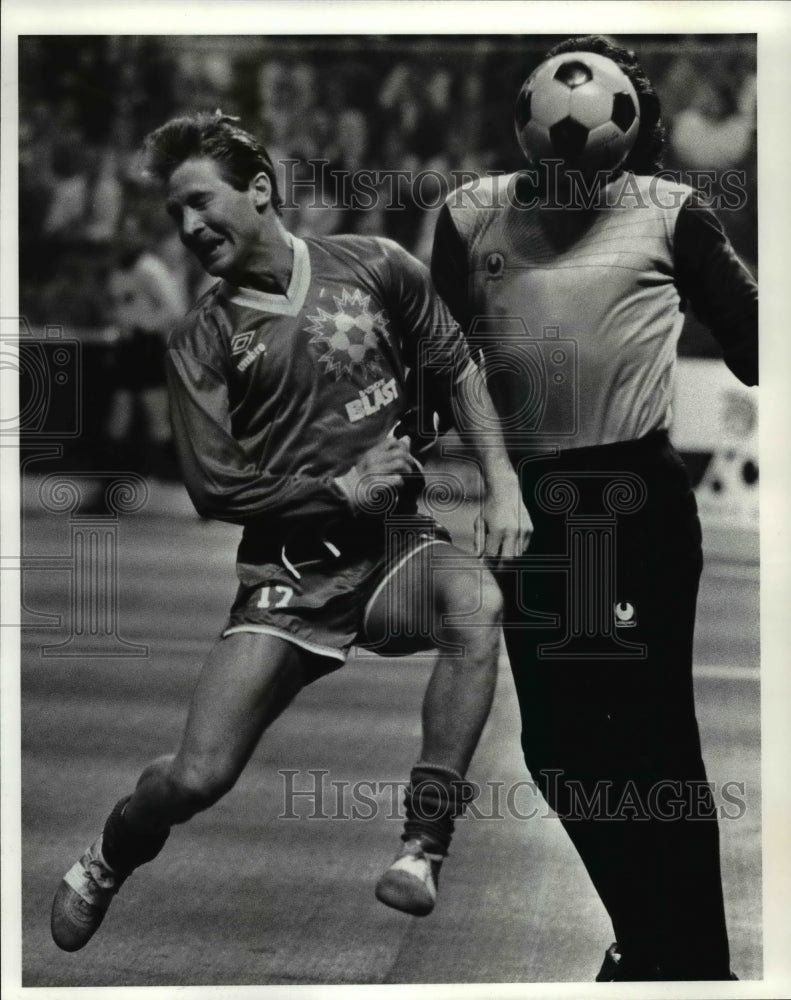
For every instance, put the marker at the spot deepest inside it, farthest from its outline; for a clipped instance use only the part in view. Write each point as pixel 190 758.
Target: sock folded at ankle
pixel 123 848
pixel 435 797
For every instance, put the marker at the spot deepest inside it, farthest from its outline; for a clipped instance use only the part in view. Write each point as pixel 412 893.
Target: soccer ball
pixel 580 108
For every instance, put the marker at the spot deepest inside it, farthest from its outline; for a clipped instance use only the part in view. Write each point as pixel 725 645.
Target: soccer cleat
pixel 410 883
pixel 82 899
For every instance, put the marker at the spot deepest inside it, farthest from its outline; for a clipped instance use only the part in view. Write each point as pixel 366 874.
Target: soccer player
pixel 287 380
pixel 576 311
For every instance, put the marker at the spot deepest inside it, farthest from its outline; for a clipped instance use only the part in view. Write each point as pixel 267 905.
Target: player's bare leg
pixel 464 624
pixel 467 617
pixel 247 681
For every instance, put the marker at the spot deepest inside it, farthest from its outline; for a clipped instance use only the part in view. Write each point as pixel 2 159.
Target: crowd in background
pixel 98 255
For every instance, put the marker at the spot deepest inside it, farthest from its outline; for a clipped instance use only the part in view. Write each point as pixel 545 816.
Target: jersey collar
pixel 285 305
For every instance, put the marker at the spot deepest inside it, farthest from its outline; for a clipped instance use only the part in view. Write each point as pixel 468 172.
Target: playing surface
pixel 242 895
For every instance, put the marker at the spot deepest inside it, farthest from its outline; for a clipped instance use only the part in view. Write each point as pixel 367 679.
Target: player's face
pixel 218 223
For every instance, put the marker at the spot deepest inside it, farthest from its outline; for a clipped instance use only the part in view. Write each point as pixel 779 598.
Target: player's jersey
pixel 578 314
pixel 273 396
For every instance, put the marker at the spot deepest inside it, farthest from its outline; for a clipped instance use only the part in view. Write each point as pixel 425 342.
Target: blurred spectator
pixel 679 80
pixel 716 130
pixel 351 140
pixel 105 199
pixel 69 194
pixel 400 95
pixel 394 213
pixel 146 301
pixel 318 206
pixel 75 296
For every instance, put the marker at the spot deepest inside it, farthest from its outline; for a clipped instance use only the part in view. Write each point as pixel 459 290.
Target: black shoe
pixel 610 965
pixel 616 970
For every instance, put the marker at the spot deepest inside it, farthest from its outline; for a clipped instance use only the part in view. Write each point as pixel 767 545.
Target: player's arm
pixel 382 467
pixel 504 525
pixel 449 268
pixel 449 273
pixel 222 480
pixel 718 287
pixel 435 345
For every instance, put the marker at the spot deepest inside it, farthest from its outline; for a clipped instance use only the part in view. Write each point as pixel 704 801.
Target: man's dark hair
pixel 212 134
pixel 645 156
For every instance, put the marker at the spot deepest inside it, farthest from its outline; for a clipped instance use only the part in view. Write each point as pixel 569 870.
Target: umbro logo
pixel 250 357
pixel 625 615
pixel 241 341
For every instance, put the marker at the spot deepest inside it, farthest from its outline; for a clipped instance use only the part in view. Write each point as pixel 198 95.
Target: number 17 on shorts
pixel 276 595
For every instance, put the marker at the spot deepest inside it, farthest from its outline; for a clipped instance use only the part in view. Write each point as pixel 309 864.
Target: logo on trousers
pixel 625 615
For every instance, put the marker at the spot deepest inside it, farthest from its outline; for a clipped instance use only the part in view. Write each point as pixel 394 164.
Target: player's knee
pixel 491 600
pixel 198 784
pixel 473 594
pixel 158 769
pixel 472 607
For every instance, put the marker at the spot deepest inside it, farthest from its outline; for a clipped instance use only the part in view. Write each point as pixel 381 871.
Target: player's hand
pixel 390 458
pixel 381 467
pixel 503 528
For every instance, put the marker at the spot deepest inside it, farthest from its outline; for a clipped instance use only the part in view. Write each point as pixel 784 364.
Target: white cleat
pixel 82 899
pixel 410 883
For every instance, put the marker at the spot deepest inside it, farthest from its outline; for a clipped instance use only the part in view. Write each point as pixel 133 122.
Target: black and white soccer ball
pixel 579 107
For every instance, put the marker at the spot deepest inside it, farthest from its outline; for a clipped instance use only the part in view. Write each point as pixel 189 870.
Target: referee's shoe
pixel 614 970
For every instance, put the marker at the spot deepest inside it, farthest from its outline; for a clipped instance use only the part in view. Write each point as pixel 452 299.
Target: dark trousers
pixel 604 683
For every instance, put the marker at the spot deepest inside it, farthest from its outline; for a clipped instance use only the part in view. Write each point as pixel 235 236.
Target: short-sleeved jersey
pixel 274 396
pixel 578 313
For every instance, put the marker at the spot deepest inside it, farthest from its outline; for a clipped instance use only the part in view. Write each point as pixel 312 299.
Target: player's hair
pixel 646 155
pixel 239 154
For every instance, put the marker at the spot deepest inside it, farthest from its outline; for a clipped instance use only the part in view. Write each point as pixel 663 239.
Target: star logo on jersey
pixel 348 334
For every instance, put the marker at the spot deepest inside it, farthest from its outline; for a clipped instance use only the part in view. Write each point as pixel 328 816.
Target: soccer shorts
pixel 315 593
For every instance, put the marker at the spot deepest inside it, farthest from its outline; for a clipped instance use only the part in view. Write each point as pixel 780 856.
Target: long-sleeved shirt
pixel 274 396
pixel 577 314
